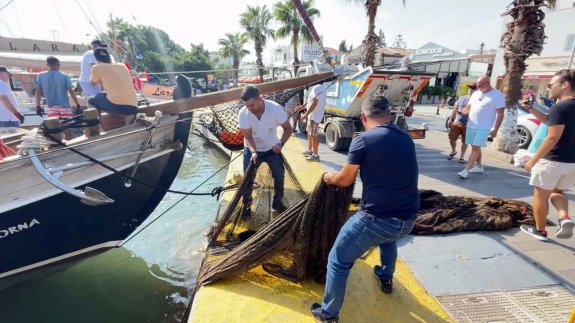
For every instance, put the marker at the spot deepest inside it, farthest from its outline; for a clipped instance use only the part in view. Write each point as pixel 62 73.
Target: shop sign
pixel 31 45
pixel 434 52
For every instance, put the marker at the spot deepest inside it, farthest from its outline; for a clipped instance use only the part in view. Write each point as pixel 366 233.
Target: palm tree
pixel 525 36
pixel 233 46
pixel 256 21
pixel 292 24
pixel 371 40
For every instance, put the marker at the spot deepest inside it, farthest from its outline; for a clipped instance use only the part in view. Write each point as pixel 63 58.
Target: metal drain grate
pixel 485 307
pixel 545 304
pixel 548 304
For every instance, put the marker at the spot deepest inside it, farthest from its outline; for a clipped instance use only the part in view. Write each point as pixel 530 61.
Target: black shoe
pixel 385 284
pixel 318 315
pixel 279 206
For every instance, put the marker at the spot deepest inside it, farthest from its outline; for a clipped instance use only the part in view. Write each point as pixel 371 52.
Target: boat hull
pixel 60 227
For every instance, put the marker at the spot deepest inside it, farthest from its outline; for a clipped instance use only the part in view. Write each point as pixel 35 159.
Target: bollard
pixel 91 114
pixel 53 123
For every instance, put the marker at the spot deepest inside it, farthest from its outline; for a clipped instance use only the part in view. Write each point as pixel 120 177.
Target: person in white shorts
pixel 552 166
pixel 485 107
pixel 315 110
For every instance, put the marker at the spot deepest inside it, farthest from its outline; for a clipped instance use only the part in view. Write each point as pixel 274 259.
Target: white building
pixel 282 55
pixel 560 32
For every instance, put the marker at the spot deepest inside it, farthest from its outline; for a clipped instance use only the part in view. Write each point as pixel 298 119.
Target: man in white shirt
pixel 485 107
pixel 259 120
pixel 316 102
pixel 88 60
pixel 9 115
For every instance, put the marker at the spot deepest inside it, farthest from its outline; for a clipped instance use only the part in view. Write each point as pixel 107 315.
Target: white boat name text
pixel 17 229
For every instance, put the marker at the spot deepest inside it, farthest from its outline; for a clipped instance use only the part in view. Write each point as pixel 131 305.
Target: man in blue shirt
pixel 386 156
pixel 55 86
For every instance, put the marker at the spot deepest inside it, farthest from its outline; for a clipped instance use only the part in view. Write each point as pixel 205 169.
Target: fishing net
pixel 293 245
pixel 222 120
pixel 440 214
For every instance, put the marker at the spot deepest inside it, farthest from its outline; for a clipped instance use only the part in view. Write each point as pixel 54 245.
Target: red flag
pixel 146 75
pixel 128 65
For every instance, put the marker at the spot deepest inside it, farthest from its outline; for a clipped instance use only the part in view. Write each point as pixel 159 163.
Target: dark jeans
pixel 276 165
pixel 101 102
pixel 361 232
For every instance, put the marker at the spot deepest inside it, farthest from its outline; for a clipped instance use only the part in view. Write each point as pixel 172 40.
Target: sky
pixel 455 24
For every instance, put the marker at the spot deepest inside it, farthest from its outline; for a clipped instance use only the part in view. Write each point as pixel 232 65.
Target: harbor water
pixel 149 279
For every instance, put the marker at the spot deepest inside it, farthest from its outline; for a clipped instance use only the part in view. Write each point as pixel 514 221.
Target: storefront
pixel 449 65
pixel 538 73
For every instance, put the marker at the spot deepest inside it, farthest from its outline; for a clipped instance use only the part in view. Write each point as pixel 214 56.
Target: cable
pixel 177 202
pixel 6 5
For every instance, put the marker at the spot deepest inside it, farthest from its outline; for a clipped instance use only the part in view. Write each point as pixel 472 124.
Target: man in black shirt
pixel 385 157
pixel 552 166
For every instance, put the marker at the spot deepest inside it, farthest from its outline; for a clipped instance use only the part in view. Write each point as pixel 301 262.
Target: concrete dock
pixel 504 276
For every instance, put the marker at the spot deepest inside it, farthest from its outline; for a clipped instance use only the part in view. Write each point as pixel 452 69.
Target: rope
pixel 180 200
pixel 215 192
pixel 74 122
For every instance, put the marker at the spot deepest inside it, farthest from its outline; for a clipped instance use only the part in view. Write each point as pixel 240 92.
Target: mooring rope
pixel 215 192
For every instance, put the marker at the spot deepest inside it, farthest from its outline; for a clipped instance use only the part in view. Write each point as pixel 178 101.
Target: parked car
pixel 527 125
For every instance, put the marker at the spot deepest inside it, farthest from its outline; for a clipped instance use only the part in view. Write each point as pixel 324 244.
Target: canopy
pixel 36 62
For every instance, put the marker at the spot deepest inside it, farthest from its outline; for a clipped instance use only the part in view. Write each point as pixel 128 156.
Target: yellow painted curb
pixel 256 296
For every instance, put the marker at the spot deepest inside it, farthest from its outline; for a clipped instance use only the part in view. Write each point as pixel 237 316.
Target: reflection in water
pixel 147 280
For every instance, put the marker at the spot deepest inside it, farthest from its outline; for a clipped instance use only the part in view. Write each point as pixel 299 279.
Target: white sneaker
pixel 312 158
pixel 463 174
pixel 476 169
pixel 565 229
pixel 307 153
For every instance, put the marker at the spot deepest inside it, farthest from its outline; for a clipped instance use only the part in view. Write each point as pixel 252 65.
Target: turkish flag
pixel 128 65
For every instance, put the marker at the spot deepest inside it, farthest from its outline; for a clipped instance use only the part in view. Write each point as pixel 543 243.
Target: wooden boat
pixel 77 206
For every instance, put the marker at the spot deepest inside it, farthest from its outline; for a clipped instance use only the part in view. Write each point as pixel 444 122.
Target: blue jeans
pixel 276 164
pixel 101 102
pixel 361 232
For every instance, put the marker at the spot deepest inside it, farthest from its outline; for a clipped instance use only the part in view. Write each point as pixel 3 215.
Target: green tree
pixel 371 39
pixel 343 47
pixel 233 46
pixel 155 45
pixel 525 36
pixel 381 38
pixel 197 59
pixel 256 23
pixel 399 42
pixel 292 25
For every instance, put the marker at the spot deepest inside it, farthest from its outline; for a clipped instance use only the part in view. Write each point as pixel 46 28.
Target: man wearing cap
pixel 88 60
pixel 458 125
pixel 390 203
pixel 259 120
pixel 485 110
pixel 9 115
pixel 119 96
pixel 55 86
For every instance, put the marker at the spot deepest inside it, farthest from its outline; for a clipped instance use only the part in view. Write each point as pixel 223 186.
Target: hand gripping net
pixel 293 245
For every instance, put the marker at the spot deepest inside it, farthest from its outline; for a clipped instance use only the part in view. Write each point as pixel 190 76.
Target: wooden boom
pixel 214 98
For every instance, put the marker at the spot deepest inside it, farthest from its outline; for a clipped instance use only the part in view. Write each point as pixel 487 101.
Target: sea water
pixel 149 279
